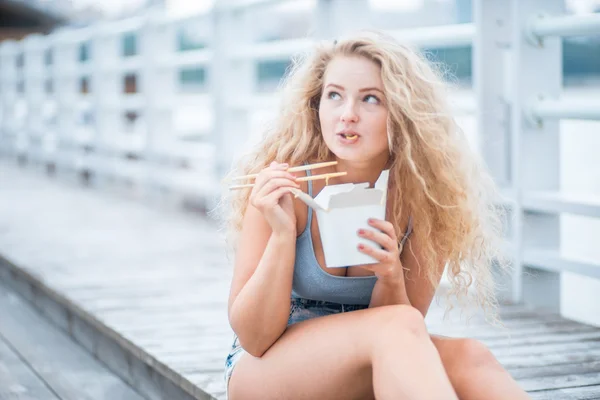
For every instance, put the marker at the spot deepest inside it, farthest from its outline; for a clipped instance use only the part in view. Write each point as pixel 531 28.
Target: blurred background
pixel 119 119
pixel 153 99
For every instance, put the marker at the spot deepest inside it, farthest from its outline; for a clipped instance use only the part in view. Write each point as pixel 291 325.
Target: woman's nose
pixel 349 114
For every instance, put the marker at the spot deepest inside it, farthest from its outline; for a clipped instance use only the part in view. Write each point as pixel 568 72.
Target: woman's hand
pixel 389 267
pixel 272 197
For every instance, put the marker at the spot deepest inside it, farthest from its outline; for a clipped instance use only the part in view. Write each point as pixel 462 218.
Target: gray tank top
pixel 312 282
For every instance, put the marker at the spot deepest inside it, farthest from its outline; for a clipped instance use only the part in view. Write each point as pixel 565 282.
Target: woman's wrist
pixel 394 276
pixel 389 290
pixel 392 281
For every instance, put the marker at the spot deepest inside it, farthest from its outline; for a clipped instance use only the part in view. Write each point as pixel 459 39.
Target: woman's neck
pixel 358 172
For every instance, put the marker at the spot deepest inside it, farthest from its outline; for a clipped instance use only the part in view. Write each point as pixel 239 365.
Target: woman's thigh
pixel 321 358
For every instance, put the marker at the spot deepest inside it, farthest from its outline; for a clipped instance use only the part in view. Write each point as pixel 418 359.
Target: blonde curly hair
pixel 434 174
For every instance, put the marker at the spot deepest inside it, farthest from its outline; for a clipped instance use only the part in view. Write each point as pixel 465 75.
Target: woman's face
pixel 352 112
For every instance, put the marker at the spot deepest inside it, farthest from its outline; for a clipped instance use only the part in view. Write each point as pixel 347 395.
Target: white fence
pixel 105 100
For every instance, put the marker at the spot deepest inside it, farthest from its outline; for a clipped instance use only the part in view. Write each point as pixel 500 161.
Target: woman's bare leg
pixel 474 371
pixel 383 350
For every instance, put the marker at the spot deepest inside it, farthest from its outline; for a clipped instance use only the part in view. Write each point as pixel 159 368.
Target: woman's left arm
pixel 400 279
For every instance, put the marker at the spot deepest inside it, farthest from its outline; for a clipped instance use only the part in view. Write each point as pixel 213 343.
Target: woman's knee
pixel 471 353
pixel 398 319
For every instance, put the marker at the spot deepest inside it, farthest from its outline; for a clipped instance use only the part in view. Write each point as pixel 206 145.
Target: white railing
pixel 517 103
pixel 563 109
pixel 563 26
pixel 456 35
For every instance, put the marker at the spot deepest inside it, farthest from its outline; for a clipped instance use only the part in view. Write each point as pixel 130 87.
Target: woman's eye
pixel 371 99
pixel 333 95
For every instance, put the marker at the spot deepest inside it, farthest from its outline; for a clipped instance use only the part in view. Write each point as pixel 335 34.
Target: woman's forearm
pixel 388 293
pixel 261 310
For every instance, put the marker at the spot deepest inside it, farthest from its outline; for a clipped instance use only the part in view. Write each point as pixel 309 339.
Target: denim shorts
pixel 300 310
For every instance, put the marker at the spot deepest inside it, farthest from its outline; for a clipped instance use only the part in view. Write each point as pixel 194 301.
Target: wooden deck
pixel 38 361
pixel 145 291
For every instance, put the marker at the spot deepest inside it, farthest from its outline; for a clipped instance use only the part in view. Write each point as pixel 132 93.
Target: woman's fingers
pixel 383 256
pixel 274 184
pixel 267 174
pixel 269 181
pixel 275 164
pixel 273 198
pixel 384 226
pixel 380 238
pixel 385 236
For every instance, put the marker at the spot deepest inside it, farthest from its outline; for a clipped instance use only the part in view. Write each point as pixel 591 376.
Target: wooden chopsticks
pixel 293 169
pixel 296 169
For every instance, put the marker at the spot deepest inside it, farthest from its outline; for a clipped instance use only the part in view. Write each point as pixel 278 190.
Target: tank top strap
pixel 409 229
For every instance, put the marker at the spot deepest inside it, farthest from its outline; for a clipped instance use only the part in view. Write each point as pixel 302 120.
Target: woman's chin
pixel 350 155
pixel 357 155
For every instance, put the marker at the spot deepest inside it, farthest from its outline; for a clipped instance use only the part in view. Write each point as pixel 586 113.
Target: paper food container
pixel 341 211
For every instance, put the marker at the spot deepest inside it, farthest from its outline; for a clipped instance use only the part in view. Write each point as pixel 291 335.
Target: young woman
pixel 305 331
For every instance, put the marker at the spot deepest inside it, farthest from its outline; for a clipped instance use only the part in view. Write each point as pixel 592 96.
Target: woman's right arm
pixel 259 300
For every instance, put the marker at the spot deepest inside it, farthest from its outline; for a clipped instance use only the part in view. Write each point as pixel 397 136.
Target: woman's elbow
pixel 256 347
pixel 253 342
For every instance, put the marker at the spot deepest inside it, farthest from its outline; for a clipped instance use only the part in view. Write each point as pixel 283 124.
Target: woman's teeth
pixel 350 137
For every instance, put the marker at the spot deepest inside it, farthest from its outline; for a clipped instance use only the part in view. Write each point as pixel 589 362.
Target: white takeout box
pixel 341 211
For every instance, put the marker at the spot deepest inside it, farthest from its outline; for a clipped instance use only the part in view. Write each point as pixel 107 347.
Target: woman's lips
pixel 348 138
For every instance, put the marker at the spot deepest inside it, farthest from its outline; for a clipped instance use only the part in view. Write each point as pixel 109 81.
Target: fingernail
pixel 371 220
pixel 361 231
pixel 361 246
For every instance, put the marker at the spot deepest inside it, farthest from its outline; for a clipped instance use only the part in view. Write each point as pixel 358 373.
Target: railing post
pixel 21 106
pixel 536 73
pixel 30 73
pixel 230 79
pixel 492 20
pixel 99 96
pixel 117 145
pixel 65 91
pixel 490 45
pixel 157 44
pixel 48 102
pixel 8 90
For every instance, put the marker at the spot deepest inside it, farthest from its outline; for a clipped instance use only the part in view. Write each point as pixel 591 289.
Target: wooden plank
pixel 475 315
pixel 556 370
pixel 213 382
pixel 547 348
pixel 547 359
pixel 543 339
pixel 557 382
pixel 196 361
pixel 519 330
pixel 574 393
pixel 530 319
pixel 66 367
pixel 17 380
pixel 138 368
pixel 514 320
